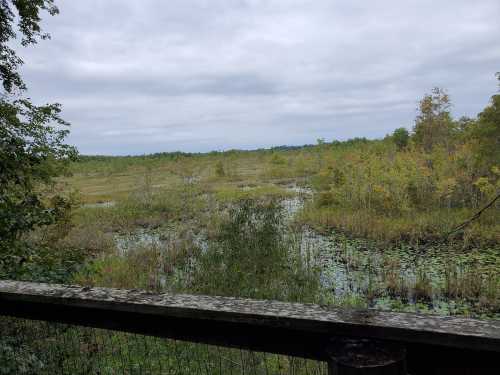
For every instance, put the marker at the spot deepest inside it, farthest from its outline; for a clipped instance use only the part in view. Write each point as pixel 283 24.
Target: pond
pixel 436 279
pixel 356 272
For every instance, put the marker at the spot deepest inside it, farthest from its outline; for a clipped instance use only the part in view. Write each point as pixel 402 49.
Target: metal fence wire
pixel 38 347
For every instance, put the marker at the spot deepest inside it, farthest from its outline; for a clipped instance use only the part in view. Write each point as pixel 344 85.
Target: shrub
pixel 401 137
pixel 254 255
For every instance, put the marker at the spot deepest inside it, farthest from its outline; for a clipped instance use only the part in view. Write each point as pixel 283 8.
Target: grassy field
pixel 366 189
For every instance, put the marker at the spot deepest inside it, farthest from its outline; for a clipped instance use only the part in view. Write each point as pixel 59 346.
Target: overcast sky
pixel 197 75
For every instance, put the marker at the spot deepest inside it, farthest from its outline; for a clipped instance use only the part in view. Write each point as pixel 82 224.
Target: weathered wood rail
pixel 428 344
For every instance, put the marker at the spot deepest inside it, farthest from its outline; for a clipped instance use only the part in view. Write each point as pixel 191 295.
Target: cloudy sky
pixel 197 75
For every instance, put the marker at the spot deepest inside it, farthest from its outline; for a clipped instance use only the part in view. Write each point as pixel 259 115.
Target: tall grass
pixel 250 252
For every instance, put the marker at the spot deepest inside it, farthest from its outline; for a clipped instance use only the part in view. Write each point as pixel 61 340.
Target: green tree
pixel 401 138
pixel 486 134
pixel 32 147
pixel 28 24
pixel 433 125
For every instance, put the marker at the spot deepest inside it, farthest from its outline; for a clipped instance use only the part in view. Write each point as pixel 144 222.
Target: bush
pixel 254 255
pixel 401 137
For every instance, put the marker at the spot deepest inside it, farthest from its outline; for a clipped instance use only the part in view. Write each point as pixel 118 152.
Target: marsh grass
pixel 423 290
pixel 231 193
pixel 222 230
pixel 250 252
pixel 413 227
pixel 467 283
pixel 366 188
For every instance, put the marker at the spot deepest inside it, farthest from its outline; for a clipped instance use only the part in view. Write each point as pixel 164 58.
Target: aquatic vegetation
pixel 366 218
pixel 423 291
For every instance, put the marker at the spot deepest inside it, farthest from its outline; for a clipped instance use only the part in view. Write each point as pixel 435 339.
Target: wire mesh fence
pixel 37 347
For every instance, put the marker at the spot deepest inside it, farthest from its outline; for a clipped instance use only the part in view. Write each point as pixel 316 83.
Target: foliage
pixel 401 137
pixel 449 170
pixel 433 125
pixel 27 12
pixel 16 357
pixel 486 135
pixel 32 154
pixel 32 148
pixel 253 256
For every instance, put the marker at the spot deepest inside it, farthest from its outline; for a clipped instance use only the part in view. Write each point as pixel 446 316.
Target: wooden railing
pixel 351 341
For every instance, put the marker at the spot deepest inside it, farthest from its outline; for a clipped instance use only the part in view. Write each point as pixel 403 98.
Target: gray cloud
pixel 197 75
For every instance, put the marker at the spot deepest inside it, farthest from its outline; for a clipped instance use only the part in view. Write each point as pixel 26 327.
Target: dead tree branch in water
pixel 475 217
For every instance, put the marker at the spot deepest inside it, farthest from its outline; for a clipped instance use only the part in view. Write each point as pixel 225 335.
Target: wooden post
pixel 365 357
